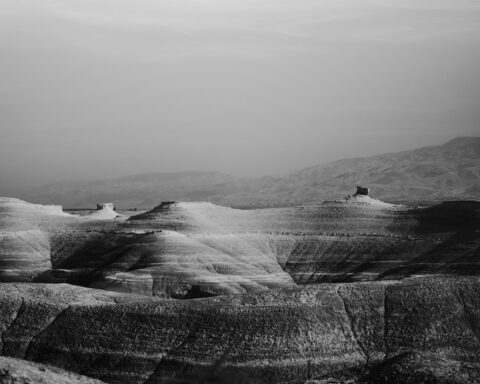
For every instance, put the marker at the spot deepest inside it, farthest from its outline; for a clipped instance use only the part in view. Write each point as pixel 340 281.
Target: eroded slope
pixel 185 250
pixel 279 335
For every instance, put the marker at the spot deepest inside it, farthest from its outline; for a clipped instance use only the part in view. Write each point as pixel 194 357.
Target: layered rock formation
pixel 415 367
pixel 186 250
pixel 274 328
pixel 279 335
pixel 24 245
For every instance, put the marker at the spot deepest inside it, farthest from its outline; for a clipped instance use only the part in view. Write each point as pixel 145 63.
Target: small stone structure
pixel 362 191
pixel 164 205
pixel 108 206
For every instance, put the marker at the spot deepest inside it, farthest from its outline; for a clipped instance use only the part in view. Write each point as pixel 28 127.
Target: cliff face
pixel 24 245
pixel 272 336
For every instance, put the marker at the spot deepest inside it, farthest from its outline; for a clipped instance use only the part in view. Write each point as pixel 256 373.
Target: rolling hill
pixel 429 174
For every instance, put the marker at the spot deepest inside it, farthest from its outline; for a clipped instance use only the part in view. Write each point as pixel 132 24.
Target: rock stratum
pixel 18 371
pixel 354 290
pixel 191 250
pixel 349 331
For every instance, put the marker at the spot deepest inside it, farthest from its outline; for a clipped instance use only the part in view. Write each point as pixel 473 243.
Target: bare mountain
pixel 448 171
pixel 140 190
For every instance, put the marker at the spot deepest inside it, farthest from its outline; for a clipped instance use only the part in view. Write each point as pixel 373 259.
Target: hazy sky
pixel 105 88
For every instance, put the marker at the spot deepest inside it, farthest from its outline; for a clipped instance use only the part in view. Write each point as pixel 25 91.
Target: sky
pixel 93 89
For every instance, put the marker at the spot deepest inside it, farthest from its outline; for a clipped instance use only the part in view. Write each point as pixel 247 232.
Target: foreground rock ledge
pixel 279 335
pixel 17 371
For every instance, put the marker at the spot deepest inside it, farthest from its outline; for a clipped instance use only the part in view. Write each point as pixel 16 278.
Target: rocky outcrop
pixel 109 206
pixel 24 245
pixel 17 371
pixel 105 211
pixel 279 335
pixel 416 367
pixel 362 191
pixel 186 250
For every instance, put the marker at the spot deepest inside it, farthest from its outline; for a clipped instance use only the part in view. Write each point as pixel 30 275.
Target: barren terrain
pixel 351 290
pixel 431 174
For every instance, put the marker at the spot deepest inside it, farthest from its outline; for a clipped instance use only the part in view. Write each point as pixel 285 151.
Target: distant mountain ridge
pixel 435 173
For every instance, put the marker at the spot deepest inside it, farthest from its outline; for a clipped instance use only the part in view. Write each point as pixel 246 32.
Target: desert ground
pixel 354 290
